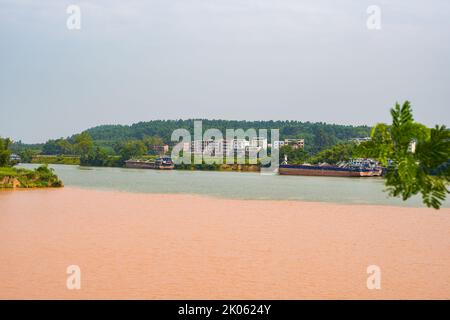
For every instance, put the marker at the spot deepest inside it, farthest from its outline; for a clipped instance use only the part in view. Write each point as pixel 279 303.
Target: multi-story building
pixel 200 146
pixel 240 144
pixel 225 146
pixel 187 147
pixel 163 149
pixel 295 143
pixel 259 143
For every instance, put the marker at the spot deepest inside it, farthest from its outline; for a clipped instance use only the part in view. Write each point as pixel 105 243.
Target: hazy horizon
pixel 248 60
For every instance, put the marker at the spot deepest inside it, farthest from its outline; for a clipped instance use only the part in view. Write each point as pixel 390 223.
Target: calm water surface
pixel 152 243
pixel 235 185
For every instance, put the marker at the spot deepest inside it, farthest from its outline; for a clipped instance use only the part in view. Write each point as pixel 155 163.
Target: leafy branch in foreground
pixel 417 158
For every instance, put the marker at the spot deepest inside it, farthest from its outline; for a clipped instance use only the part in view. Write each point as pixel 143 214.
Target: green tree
pixel 58 147
pixel 322 139
pixel 416 157
pixel 5 153
pixel 99 158
pixel 51 147
pixel 318 136
pixel 131 149
pixel 83 143
pixel 335 154
pixel 150 141
pixel 294 155
pixel 65 147
pixel 26 155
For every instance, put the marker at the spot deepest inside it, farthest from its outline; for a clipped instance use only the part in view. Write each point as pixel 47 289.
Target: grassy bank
pixel 115 161
pixel 73 160
pixel 41 177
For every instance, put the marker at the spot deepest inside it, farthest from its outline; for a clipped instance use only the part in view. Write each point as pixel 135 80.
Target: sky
pixel 132 61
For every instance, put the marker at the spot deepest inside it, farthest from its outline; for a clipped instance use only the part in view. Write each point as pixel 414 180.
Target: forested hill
pixel 317 135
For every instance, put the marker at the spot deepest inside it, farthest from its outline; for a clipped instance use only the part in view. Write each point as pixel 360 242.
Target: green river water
pixel 234 185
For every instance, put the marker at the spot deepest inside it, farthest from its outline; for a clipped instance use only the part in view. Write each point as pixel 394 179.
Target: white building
pixel 259 142
pixel 295 143
pixel 225 147
pixel 277 144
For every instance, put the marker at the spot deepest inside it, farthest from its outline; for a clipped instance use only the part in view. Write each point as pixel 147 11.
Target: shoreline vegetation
pixel 97 157
pixel 41 177
pixel 112 145
pixel 12 178
pixel 55 159
pixel 76 160
pixel 415 157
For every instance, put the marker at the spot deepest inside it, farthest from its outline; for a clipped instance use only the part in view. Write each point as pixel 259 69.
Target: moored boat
pixel 164 163
pixel 354 168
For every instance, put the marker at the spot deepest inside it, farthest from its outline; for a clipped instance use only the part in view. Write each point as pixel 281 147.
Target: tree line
pixel 318 136
pixel 110 138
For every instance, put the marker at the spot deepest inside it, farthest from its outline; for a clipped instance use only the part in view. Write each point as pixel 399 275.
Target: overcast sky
pixel 230 59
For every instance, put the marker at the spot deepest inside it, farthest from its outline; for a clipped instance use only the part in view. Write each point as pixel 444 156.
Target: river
pixel 233 185
pixel 149 234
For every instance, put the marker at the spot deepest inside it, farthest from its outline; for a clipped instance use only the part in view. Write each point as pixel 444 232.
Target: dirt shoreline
pixel 174 246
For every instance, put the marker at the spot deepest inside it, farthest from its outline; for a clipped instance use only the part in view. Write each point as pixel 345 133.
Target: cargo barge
pixel 164 163
pixel 357 168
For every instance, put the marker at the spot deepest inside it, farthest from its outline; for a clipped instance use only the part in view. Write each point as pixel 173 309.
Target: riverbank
pixel 169 246
pixel 50 159
pixel 219 167
pixel 41 177
pixel 114 162
pixel 234 185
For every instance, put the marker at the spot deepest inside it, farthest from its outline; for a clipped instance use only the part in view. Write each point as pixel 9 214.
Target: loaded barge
pixel 358 168
pixel 164 163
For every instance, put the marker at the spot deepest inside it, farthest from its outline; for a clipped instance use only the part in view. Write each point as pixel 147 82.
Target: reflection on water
pixel 235 185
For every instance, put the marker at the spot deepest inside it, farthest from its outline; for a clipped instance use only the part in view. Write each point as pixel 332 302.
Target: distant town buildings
pixel 277 144
pixel 259 143
pixel 225 147
pixel 294 143
pixel 228 147
pixel 162 149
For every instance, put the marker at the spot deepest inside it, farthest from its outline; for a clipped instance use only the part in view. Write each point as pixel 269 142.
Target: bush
pixel 38 178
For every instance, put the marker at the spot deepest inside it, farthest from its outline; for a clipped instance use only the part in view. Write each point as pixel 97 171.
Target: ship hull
pixel 147 165
pixel 327 171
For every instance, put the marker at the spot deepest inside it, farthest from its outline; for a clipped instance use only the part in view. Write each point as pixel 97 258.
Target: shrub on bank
pixel 41 177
